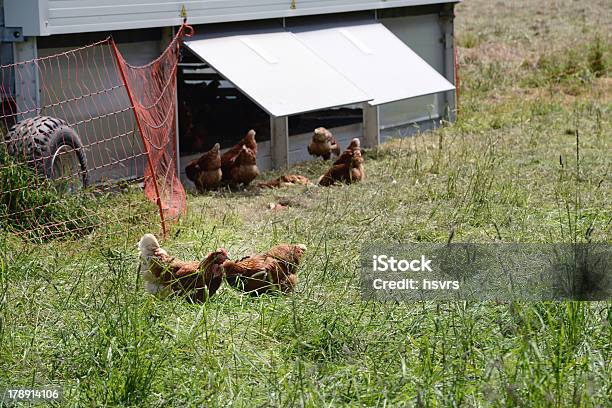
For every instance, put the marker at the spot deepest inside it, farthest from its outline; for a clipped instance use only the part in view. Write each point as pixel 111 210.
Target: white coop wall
pixel 421 33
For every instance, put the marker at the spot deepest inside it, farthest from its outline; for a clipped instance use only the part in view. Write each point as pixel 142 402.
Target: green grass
pixel 35 208
pixel 528 161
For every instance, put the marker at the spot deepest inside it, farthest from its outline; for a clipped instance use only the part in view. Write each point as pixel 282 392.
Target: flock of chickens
pixel 274 270
pixel 164 275
pixel 238 165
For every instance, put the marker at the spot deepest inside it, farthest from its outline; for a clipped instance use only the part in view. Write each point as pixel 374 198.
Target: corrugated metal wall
pixel 46 17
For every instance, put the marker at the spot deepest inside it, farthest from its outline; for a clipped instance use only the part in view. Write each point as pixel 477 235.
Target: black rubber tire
pixel 37 139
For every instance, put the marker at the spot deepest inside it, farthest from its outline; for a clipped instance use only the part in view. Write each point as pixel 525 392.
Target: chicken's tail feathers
pixel 326 180
pixel 191 170
pixel 147 246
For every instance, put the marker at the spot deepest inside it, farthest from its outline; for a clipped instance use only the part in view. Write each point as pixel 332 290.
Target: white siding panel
pixel 422 34
pixel 46 17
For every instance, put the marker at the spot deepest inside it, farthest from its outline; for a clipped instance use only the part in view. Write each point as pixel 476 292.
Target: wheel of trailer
pixel 52 148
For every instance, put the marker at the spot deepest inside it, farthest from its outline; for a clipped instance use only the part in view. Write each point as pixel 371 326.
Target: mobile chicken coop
pixel 363 68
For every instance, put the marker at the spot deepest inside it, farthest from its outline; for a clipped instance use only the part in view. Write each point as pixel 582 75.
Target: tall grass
pixel 520 165
pixel 34 206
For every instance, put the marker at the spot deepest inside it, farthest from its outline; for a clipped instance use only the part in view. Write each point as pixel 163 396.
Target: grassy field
pixel 529 160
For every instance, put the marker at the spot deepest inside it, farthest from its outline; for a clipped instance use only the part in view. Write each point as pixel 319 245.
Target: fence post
pixel 121 67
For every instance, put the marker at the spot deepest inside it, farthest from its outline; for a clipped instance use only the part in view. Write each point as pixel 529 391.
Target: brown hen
pixel 274 270
pixel 205 172
pixel 244 169
pixel 323 144
pixel 229 157
pixel 347 155
pixel 350 170
pixel 165 275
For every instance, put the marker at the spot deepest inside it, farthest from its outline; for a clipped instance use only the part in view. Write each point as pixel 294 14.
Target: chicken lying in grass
pixel 348 168
pixel 165 275
pixel 323 144
pixel 275 270
pixel 205 172
pixel 285 181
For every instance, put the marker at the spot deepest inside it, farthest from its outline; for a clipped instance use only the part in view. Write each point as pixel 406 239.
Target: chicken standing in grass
pixel 165 275
pixel 348 168
pixel 228 158
pixel 323 144
pixel 205 172
pixel 244 170
pixel 285 181
pixel 274 270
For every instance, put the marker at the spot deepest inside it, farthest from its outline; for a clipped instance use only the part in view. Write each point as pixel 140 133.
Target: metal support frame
pixel 371 126
pixel 279 141
pixel 27 90
pixel 447 16
pixel 11 34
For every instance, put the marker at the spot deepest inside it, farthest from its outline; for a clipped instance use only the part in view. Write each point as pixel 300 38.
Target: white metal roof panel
pixel 375 60
pixel 277 72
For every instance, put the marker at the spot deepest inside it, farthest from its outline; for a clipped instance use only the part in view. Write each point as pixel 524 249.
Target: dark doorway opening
pixel 328 118
pixel 211 110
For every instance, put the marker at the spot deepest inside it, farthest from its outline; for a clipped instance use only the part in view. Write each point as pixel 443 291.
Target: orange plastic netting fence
pixel 152 92
pixel 83 125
